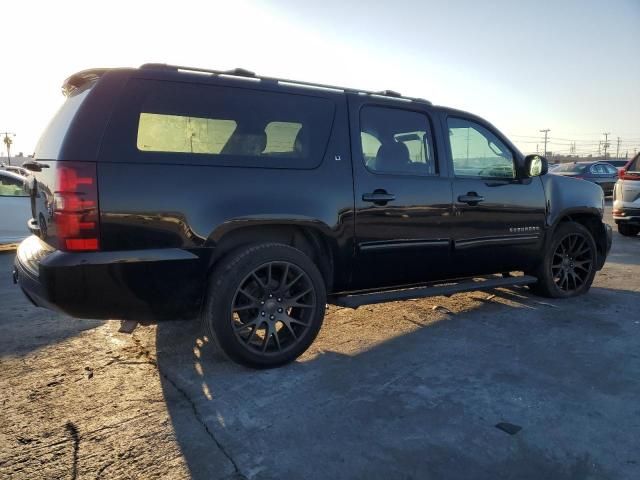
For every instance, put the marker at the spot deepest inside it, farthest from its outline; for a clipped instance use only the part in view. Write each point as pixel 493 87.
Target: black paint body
pixel 166 219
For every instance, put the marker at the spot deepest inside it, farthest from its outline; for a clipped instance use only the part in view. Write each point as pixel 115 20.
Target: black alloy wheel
pixel 273 307
pixel 265 305
pixel 569 263
pixel 573 261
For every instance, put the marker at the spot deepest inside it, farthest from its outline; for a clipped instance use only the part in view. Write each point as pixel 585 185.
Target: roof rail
pixel 247 74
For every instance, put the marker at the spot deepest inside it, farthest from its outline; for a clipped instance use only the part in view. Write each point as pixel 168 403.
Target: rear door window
pixel 209 124
pixel 396 141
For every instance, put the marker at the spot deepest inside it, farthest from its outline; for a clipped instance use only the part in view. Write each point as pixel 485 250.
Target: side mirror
pixel 535 165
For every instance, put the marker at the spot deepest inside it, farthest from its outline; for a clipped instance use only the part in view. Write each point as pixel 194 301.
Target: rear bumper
pixel 629 216
pixel 142 285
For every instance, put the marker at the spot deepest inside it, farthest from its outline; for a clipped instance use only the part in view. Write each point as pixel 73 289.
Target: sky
pixel 570 66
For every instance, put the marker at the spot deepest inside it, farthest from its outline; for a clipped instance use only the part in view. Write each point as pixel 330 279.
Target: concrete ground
pixel 410 390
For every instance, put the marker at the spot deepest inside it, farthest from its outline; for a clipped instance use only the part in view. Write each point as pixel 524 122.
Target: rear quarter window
pixel 171 122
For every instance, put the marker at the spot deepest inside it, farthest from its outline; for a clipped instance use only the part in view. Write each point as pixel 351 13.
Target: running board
pixel 443 288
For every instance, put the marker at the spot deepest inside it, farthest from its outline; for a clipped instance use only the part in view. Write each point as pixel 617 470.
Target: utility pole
pixel 618 149
pixel 546 132
pixel 605 145
pixel 7 141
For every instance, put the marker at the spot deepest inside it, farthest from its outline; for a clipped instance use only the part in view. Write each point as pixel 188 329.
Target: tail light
pixel 76 212
pixel 626 175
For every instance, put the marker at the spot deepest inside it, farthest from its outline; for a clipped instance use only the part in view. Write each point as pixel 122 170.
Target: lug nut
pixel 279 299
pixel 271 317
pixel 271 295
pixel 262 313
pixel 280 310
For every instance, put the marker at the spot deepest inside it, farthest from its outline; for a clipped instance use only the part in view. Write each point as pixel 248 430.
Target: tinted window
pixel 48 147
pixel 176 133
pixel 598 169
pixel 203 124
pixel 11 186
pixel 617 163
pixel 476 152
pixel 396 141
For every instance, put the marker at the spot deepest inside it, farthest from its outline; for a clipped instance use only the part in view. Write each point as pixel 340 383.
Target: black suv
pixel 252 202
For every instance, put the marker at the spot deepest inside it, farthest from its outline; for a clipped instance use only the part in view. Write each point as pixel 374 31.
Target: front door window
pixel 476 152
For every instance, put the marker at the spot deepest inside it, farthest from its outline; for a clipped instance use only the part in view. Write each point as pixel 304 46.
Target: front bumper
pixel 142 285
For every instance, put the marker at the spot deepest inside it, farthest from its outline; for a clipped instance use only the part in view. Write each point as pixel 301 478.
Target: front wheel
pixel 569 265
pixel 628 230
pixel 265 305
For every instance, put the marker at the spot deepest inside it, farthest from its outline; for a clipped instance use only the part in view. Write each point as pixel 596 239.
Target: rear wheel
pixel 265 305
pixel 628 230
pixel 569 265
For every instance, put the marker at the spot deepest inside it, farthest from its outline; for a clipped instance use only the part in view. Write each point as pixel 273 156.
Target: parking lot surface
pixel 409 390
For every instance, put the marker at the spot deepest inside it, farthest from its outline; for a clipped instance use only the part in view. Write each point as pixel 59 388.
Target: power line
pixel 546 132
pixel 605 145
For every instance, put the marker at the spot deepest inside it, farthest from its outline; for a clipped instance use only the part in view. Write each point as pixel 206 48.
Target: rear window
pixel 50 143
pixel 570 168
pixel 207 124
pixel 617 163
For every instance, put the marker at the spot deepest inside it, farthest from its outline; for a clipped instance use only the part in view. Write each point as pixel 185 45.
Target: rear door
pixel 499 217
pixel 402 194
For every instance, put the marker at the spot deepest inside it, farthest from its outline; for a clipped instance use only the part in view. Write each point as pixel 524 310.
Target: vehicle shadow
pixel 371 400
pixel 19 319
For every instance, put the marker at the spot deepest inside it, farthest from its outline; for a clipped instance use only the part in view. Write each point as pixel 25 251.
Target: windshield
pixel 570 168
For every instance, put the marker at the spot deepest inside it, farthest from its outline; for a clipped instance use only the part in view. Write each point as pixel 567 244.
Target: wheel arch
pixel 592 221
pixel 312 238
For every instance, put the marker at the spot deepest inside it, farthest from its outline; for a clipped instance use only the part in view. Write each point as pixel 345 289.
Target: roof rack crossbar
pixel 240 72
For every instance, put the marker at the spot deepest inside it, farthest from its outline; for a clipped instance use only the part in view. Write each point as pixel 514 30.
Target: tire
pixel 569 264
pixel 628 230
pixel 254 317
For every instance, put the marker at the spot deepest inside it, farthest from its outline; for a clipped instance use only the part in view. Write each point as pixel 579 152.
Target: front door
pixel 499 216
pixel 402 195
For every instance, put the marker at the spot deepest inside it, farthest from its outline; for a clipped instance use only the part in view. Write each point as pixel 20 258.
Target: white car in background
pixel 15 207
pixel 626 199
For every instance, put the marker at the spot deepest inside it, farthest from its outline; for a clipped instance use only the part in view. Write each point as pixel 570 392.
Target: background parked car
pixel 601 173
pixel 15 169
pixel 619 164
pixel 15 207
pixel 626 199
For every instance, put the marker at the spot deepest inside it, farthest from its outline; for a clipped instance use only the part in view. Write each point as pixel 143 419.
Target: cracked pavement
pixel 401 390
